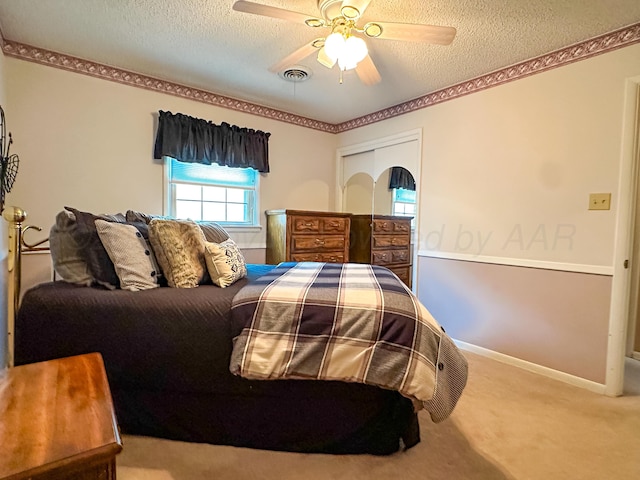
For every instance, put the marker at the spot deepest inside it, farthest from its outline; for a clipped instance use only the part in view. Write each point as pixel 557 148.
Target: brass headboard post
pixel 17 246
pixel 15 216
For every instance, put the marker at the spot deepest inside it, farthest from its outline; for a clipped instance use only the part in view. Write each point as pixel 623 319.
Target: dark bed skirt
pixel 312 425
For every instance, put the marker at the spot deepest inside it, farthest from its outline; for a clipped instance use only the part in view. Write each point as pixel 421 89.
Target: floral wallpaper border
pixel 595 46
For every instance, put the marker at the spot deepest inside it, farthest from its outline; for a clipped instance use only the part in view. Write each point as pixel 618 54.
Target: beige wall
pixel 551 318
pixel 506 175
pixel 523 157
pixel 88 143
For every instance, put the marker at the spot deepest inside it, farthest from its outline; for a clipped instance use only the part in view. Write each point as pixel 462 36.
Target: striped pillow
pixel 132 257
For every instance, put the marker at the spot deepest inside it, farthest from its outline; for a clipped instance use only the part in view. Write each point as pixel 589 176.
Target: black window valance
pixel 401 178
pixel 194 140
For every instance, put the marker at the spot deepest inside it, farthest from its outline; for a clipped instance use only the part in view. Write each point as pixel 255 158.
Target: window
pixel 404 203
pixel 211 192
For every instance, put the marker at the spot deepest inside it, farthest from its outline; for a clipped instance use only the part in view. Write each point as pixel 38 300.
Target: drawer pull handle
pixel 308 225
pixel 319 241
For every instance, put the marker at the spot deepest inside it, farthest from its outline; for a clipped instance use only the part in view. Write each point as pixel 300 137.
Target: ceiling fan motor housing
pixel 329 9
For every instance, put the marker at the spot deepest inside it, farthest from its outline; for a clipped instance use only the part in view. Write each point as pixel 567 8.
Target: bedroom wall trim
pixel 520 262
pixel 118 75
pixel 534 368
pixel 580 51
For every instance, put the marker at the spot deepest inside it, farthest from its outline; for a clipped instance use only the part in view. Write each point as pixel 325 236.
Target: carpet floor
pixel 509 424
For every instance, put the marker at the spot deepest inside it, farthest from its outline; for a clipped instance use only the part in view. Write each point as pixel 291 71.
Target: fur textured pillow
pixel 131 255
pixel 213 231
pixel 225 262
pixel 179 249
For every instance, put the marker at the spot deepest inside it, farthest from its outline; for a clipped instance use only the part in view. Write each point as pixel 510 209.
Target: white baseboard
pixel 635 355
pixel 535 368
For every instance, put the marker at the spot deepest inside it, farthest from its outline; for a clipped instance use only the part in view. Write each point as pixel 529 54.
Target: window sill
pixel 241 228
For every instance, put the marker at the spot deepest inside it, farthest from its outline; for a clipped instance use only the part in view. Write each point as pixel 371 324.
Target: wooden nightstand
pixel 57 421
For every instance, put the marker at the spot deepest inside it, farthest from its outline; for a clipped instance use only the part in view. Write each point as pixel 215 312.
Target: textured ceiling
pixel 207 45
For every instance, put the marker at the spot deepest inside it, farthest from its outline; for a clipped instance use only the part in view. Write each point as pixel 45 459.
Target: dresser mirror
pixel 381 230
pixel 379 208
pixel 364 196
pixel 358 194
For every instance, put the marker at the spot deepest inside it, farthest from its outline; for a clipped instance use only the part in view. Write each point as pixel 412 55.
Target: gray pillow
pixel 132 257
pixel 86 236
pixel 66 253
pixel 213 232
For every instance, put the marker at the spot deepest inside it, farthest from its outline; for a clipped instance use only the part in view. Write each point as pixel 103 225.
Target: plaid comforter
pixel 348 322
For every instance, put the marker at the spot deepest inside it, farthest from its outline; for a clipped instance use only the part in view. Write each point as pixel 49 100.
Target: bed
pixel 168 354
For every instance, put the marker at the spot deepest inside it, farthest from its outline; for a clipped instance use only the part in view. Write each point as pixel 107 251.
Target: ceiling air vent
pixel 296 74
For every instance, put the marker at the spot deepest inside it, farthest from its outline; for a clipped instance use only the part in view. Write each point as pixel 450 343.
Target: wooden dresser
pixel 382 240
pixel 306 236
pixel 57 421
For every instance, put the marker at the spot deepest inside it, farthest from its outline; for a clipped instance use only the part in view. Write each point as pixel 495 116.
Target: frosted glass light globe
pixel 354 51
pixel 334 45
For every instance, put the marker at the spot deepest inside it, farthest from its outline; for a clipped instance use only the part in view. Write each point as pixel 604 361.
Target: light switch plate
pixel 599 201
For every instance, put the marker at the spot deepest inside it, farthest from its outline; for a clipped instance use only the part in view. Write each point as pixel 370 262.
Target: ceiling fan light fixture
pixel 334 45
pixel 372 30
pixel 315 22
pixel 355 49
pixel 318 43
pixel 349 12
pixel 325 59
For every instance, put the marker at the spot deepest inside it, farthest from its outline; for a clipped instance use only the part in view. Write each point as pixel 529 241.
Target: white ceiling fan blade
pixel 267 11
pixel 293 58
pixel 411 32
pixel 325 59
pixel 367 71
pixel 359 5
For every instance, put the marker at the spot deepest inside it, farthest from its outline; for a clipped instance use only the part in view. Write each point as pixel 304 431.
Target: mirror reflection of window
pixel 404 204
pixel 403 188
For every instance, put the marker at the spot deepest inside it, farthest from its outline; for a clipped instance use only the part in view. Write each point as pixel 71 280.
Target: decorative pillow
pixel 67 255
pixel 179 249
pixel 136 216
pixel 225 262
pixel 86 236
pixel 213 232
pixel 132 257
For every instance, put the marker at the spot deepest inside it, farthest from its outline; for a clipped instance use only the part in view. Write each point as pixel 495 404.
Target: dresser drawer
pixel 305 225
pixel 334 225
pixel 390 241
pixel 330 257
pixel 391 226
pixel 316 243
pixel 319 225
pixel 389 257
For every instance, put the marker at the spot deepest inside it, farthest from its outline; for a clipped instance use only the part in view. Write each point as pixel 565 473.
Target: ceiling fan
pixel 344 44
